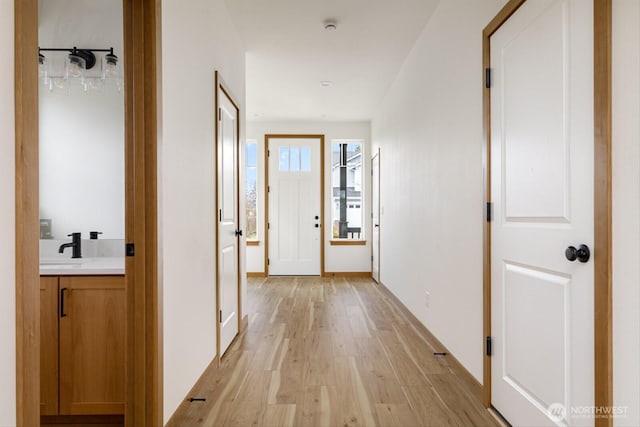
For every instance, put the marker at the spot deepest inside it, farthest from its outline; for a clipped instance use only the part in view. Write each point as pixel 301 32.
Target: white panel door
pixel 375 217
pixel 294 206
pixel 228 263
pixel 542 189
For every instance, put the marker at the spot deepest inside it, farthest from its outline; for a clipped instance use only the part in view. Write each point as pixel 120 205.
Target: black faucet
pixel 75 244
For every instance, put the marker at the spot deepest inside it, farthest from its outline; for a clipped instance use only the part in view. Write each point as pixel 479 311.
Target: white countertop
pixel 101 266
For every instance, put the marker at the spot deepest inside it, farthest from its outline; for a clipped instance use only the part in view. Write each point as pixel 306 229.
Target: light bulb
pixel 59 82
pixel 110 69
pixel 43 69
pixel 76 64
pixel 110 65
pixel 95 84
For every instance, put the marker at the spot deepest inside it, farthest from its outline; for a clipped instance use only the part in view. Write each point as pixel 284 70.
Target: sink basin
pixel 61 261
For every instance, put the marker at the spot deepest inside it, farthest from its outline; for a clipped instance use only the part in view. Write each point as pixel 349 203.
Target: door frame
pixel 267 137
pixel 220 85
pixel 379 204
pixel 603 310
pixel 143 385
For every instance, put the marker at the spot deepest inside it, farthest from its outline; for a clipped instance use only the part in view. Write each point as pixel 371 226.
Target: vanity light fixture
pixel 81 60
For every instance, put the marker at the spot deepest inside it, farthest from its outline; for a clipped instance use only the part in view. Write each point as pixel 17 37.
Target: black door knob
pixel 581 254
pixel 317 217
pixel 238 232
pixel 317 225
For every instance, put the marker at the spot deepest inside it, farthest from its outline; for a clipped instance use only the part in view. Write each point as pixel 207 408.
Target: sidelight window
pixel 252 189
pixel 347 189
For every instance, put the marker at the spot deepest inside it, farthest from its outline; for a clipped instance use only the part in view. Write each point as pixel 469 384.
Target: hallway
pixel 330 352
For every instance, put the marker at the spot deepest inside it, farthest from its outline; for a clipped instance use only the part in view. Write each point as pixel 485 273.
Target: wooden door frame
pixel 379 204
pixel 603 309
pixel 143 386
pixel 220 85
pixel 267 137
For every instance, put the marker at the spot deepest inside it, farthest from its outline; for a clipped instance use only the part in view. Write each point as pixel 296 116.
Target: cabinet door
pixel 92 345
pixel 48 345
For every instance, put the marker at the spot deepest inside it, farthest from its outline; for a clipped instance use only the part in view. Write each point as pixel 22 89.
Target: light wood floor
pixel 330 352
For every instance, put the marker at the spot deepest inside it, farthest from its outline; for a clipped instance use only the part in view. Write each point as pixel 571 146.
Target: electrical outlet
pixel 427 299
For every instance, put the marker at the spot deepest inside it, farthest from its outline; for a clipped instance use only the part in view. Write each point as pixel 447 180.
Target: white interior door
pixel 228 263
pixel 375 217
pixel 542 190
pixel 294 225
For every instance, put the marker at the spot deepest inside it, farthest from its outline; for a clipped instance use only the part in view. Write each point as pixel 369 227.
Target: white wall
pixel 337 258
pixel 626 210
pixel 7 224
pixel 429 130
pixel 196 40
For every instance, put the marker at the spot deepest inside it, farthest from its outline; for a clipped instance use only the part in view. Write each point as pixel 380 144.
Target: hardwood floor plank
pixel 394 415
pixel 250 404
pixel 467 411
pixel 405 368
pixel 420 353
pixel 358 322
pixel 382 388
pixel 373 356
pixel 350 411
pixel 279 415
pixel 329 352
pixel 320 407
pixel 429 408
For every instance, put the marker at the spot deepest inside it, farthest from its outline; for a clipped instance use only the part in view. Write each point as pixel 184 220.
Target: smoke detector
pixel 330 25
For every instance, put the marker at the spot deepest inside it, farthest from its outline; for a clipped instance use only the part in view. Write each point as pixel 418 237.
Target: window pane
pixel 347 190
pixel 252 154
pixel 284 159
pixel 252 190
pixel 294 159
pixel 305 159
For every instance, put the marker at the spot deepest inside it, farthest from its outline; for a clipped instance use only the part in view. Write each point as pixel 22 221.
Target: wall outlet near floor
pixel 427 298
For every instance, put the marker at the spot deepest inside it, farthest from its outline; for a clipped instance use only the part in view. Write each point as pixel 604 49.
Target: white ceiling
pixel 289 52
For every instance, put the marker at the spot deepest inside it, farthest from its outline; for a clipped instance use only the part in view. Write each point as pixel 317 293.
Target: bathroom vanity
pixel 82 336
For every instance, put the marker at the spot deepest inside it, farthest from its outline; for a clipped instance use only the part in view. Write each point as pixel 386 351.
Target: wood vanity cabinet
pixel 82 345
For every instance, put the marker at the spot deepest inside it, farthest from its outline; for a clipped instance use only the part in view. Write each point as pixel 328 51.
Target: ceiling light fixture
pixel 330 25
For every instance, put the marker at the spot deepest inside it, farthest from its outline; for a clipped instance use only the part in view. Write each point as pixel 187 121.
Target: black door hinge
pixel 130 249
pixel 268 261
pixel 487 78
pixel 489 211
pixel 220 316
pixel 488 347
pixel 268 189
pixel 220 214
pixel 268 153
pixel 371 258
pixel 219 114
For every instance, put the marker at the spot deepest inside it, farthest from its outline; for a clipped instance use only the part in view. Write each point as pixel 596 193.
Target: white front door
pixel 375 217
pixel 542 190
pixel 294 192
pixel 228 263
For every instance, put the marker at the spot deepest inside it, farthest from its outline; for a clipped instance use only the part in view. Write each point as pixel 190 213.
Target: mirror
pixel 81 119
